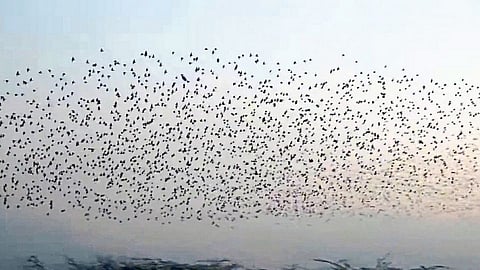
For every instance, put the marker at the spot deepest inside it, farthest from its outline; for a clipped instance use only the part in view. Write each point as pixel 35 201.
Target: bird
pixel 184 78
pixel 235 140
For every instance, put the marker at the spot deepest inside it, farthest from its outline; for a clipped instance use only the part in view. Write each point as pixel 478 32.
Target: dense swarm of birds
pixel 196 137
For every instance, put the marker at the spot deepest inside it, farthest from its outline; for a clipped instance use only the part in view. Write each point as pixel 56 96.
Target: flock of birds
pixel 197 137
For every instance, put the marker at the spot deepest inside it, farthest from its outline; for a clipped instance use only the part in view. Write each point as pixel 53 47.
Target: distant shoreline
pixel 128 263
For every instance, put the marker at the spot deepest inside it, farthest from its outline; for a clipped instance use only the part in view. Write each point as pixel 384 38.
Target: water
pixel 265 242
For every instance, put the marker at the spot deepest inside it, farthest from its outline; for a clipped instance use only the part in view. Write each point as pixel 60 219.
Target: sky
pixel 438 39
pixel 429 36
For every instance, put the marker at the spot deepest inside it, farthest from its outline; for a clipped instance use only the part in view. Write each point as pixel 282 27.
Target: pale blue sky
pixel 436 37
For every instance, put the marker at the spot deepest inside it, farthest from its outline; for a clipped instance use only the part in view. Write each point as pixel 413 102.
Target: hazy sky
pixel 434 37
